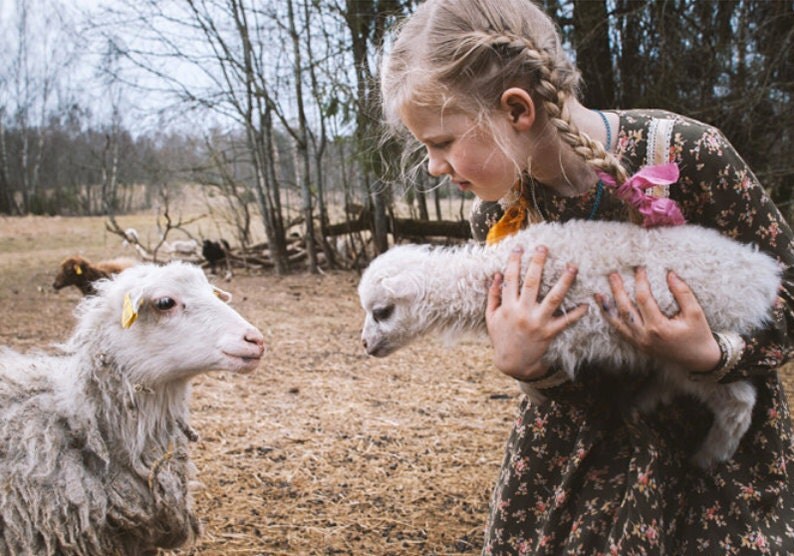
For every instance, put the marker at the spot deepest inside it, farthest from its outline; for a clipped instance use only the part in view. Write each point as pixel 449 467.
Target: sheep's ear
pixel 78 270
pixel 224 296
pixel 131 306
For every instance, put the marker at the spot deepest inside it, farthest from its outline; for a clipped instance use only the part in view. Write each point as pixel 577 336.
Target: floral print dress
pixel 583 475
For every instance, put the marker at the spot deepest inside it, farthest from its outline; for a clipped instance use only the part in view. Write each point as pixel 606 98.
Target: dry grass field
pixel 322 450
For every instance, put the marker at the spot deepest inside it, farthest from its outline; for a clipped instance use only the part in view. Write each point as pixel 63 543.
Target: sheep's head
pixel 391 292
pixel 76 271
pixel 166 323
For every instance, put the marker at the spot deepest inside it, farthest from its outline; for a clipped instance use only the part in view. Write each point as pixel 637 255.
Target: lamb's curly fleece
pixel 412 290
pixel 93 442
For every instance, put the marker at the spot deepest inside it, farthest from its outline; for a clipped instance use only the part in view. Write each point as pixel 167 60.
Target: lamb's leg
pixel 732 405
pixel 655 393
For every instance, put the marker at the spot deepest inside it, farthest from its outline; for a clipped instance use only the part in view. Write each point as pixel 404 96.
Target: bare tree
pixel 591 36
pixel 232 190
pixel 367 23
pixel 214 40
pixel 325 109
pixel 301 136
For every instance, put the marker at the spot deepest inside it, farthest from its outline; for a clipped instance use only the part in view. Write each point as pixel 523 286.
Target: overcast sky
pixel 63 48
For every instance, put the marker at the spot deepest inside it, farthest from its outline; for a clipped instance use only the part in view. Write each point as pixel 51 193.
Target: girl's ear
pixel 519 107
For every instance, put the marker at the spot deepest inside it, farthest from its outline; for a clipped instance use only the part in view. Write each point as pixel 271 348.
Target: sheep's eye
pixel 382 313
pixel 164 303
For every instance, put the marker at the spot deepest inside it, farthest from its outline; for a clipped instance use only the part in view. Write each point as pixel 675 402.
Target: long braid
pixel 554 95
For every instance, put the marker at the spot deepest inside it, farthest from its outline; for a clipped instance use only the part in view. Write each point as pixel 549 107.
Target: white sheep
pixel 411 291
pixel 182 247
pixel 93 441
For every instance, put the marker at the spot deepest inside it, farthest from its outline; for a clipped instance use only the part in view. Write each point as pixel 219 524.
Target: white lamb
pixel 93 442
pixel 413 290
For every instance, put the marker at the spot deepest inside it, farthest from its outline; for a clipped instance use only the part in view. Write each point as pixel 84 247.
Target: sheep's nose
pixel 364 343
pixel 255 337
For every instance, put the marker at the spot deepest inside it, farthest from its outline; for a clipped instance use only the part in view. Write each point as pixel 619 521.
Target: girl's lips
pixel 463 185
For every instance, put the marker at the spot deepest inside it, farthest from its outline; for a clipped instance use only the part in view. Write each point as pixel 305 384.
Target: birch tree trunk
pixel 301 139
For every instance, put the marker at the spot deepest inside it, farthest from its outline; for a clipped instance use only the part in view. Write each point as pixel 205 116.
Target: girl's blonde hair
pixel 463 54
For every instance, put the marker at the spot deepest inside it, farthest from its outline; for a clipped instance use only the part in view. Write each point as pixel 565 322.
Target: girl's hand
pixel 521 327
pixel 684 338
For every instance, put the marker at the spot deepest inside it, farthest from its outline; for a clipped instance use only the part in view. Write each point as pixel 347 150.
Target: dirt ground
pixel 322 450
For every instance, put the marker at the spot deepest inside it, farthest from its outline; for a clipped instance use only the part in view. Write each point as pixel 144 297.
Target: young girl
pixel 485 87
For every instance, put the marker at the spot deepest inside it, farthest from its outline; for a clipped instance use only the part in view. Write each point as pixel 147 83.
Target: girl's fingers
pixel 553 300
pixel 494 295
pixel 626 311
pixel 568 318
pixel 647 305
pixel 683 295
pixel 610 314
pixel 529 293
pixel 512 275
pixel 607 307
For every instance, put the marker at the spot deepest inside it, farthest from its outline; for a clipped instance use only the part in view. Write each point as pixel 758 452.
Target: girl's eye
pixel 382 313
pixel 164 303
pixel 440 146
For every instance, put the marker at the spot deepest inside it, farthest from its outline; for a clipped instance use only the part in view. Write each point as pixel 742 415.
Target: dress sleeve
pixel 717 189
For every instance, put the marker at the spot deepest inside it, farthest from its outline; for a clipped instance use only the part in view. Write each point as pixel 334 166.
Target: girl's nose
pixel 437 166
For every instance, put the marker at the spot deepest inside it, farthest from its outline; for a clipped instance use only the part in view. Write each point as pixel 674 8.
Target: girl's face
pixel 467 153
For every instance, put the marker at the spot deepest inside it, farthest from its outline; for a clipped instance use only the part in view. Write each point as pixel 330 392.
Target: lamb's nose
pixel 364 343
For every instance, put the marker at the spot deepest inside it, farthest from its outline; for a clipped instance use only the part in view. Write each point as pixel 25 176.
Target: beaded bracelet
pixel 731 350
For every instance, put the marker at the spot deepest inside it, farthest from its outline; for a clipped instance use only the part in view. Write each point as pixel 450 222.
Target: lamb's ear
pixel 131 305
pixel 402 287
pixel 224 296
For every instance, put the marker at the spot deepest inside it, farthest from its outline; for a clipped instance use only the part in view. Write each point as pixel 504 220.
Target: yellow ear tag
pixel 78 270
pixel 130 310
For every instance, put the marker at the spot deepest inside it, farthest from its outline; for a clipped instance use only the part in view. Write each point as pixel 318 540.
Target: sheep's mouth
pixel 244 363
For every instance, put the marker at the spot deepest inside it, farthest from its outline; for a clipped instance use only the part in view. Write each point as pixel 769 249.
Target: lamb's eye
pixel 382 313
pixel 164 303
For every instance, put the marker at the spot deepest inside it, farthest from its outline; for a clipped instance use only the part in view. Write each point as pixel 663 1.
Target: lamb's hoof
pixel 647 402
pixel 700 462
pixel 705 459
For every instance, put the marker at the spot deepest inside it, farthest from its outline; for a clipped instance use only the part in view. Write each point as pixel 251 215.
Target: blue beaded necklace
pixel 600 186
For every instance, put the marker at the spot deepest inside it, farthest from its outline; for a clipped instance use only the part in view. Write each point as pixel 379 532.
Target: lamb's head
pixel 167 323
pixel 391 292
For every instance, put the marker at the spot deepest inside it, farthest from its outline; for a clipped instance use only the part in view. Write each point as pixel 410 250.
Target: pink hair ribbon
pixel 656 211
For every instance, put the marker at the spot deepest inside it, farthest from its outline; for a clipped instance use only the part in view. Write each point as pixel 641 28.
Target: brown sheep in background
pixel 81 273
